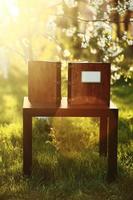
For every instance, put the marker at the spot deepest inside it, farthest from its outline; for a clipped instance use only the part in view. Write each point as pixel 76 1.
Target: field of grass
pixel 66 163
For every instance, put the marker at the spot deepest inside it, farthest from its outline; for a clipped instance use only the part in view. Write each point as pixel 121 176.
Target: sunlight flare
pixel 8 7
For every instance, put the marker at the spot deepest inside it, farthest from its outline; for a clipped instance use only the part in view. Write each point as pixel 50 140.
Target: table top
pixel 64 105
pixel 66 110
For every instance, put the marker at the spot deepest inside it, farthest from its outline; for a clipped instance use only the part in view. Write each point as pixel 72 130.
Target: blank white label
pixel 90 77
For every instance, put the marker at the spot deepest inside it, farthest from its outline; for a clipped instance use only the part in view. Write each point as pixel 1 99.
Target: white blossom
pixel 108 8
pixel 66 53
pixel 131 5
pixel 117 76
pixel 101 42
pixel 51 25
pixel 105 59
pixel 80 35
pixel 60 10
pixel 114 68
pixel 93 51
pixel 131 68
pixel 124 37
pixel 58 48
pixel 130 42
pixel 71 3
pixel 84 45
pixel 90 27
pixel 70 31
pixel 87 37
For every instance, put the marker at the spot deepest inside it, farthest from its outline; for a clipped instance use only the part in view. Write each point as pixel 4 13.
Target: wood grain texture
pixel 44 83
pixel 88 93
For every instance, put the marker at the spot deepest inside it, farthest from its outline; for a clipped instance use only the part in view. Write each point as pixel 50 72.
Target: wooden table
pixel 108 130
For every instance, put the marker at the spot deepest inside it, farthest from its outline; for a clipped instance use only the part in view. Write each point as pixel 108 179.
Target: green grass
pixel 66 163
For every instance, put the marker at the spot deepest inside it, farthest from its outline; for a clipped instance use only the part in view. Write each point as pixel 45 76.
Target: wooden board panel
pixel 44 83
pixel 83 93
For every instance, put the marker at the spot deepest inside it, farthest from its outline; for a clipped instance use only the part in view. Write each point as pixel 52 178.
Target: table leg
pixel 112 145
pixel 103 136
pixel 27 143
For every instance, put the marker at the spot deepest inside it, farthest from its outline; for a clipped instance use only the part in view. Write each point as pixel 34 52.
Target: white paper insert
pixel 91 77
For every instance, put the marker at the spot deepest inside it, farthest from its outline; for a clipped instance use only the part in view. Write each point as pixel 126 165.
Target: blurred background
pixel 67 30
pixel 66 164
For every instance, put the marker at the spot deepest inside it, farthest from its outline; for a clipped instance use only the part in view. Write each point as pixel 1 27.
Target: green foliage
pixel 10 147
pixel 74 134
pixel 85 31
pixel 126 156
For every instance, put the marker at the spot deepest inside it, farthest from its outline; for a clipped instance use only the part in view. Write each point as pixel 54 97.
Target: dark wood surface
pixel 27 143
pixel 108 129
pixel 65 110
pixel 80 93
pixel 103 136
pixel 44 82
pixel 112 145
